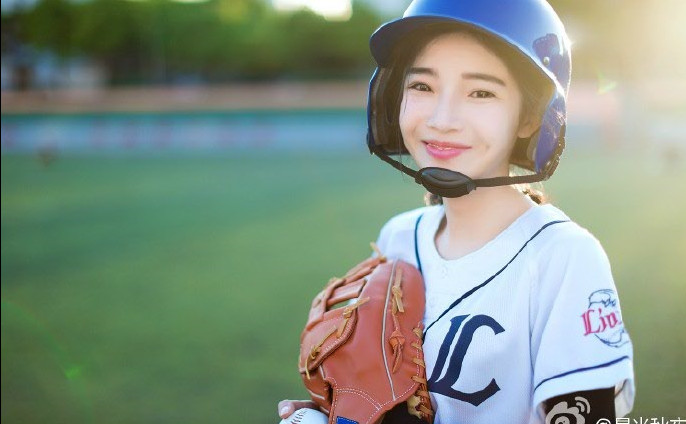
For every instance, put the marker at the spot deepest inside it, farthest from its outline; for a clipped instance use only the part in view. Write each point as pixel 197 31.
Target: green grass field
pixel 170 289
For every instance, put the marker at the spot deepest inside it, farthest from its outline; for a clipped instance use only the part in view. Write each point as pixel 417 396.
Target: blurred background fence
pixel 179 178
pixel 293 116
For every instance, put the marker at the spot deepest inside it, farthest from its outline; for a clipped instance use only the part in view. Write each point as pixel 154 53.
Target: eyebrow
pixel 467 75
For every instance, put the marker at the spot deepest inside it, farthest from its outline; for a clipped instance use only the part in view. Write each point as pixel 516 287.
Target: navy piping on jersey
pixel 606 364
pixel 470 292
pixel 416 248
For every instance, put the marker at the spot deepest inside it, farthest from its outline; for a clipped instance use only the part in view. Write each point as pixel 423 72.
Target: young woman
pixel 522 320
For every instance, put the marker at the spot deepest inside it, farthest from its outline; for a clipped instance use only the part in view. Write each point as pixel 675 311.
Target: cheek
pixel 497 124
pixel 410 116
pixel 414 110
pixel 403 117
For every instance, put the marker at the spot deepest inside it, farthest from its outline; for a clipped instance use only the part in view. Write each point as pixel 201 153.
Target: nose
pixel 446 115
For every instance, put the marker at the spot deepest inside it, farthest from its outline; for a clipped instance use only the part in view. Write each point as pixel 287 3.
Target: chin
pixel 451 165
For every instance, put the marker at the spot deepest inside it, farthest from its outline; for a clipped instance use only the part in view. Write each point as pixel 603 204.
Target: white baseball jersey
pixel 531 315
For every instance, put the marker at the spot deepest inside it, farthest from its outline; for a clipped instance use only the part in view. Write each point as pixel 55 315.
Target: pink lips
pixel 444 150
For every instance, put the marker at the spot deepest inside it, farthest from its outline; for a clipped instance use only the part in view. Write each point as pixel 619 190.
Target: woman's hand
pixel 287 407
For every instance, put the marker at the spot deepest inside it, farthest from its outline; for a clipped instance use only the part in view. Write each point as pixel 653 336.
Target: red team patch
pixel 603 318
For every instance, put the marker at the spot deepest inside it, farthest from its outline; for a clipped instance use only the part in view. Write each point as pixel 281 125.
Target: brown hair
pixel 536 91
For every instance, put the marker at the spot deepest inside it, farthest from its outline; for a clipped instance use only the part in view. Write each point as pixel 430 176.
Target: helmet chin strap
pixel 446 183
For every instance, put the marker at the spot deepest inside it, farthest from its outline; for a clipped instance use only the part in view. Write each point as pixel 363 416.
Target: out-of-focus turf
pixel 173 289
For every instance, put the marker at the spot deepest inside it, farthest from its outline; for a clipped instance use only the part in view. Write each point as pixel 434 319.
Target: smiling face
pixel 461 108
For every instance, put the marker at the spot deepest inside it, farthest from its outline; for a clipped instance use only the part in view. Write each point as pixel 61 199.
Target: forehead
pixel 460 50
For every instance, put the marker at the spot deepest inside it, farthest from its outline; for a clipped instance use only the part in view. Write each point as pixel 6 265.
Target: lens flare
pixel 605 84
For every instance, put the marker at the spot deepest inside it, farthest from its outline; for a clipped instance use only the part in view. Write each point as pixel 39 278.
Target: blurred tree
pixel 219 40
pixel 331 48
pixel 115 33
pixel 9 26
pixel 49 25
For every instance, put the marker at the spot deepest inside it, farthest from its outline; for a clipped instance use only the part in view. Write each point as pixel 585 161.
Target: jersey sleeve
pixel 396 238
pixel 578 337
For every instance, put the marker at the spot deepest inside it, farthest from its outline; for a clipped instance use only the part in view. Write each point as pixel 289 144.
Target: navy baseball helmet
pixel 529 29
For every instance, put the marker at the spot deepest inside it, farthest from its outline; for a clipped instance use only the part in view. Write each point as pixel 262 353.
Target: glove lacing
pixel 418 404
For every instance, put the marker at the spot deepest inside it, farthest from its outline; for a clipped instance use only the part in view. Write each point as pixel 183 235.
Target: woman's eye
pixel 482 94
pixel 419 86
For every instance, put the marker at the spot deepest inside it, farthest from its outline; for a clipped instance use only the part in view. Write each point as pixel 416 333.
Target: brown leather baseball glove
pixel 361 350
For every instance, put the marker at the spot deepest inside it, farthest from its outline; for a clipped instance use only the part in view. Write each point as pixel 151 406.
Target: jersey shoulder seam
pixel 406 220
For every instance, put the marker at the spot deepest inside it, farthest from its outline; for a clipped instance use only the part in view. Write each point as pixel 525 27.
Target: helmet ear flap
pixel 377 108
pixel 385 96
pixel 524 151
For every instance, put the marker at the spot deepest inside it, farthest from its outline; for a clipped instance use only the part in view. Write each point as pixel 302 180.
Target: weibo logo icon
pixel 604 320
